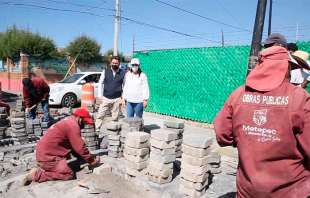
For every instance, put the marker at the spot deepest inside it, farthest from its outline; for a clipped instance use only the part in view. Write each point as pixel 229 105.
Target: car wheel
pixel 69 100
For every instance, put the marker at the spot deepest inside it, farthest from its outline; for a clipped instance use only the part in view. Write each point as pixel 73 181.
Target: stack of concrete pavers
pixel 195 169
pixel 36 125
pixel 18 130
pixel 214 161
pixel 113 134
pixel 129 125
pixel 162 156
pixel 19 105
pixel 178 128
pixel 89 136
pixel 4 122
pixel 136 153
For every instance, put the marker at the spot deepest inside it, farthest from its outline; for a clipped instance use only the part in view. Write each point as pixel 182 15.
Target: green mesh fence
pixel 194 83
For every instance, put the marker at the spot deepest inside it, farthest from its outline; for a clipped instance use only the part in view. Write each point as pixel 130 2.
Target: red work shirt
pixel 60 139
pixel 272 133
pixel 42 91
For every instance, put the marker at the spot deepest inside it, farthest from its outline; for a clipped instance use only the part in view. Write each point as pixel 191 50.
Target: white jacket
pixel 136 88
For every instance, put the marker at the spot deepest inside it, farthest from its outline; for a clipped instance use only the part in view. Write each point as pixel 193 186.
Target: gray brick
pixel 174 124
pixel 197 141
pixel 163 135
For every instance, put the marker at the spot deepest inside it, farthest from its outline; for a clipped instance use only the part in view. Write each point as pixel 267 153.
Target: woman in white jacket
pixel 136 90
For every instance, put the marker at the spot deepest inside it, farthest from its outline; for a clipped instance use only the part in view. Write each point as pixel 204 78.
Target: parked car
pixel 67 92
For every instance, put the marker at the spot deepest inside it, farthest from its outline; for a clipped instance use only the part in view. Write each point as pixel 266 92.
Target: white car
pixel 67 92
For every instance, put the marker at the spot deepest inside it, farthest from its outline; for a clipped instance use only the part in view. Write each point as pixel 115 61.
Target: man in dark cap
pixel 275 39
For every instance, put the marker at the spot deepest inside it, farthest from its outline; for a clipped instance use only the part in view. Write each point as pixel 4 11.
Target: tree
pixel 14 41
pixel 86 50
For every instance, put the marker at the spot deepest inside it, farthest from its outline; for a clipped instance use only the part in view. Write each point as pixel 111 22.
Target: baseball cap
pixel 276 38
pixel 135 61
pixel 84 114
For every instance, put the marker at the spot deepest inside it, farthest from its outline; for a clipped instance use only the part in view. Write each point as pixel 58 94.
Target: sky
pixel 182 29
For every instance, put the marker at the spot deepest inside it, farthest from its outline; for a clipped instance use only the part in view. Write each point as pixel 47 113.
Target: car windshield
pixel 72 79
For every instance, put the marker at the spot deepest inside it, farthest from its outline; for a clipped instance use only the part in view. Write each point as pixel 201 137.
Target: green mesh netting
pixel 194 83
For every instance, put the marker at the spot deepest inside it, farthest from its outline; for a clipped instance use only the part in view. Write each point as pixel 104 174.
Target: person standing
pixel 110 91
pixel 136 90
pixel 55 146
pixel 36 91
pixel 268 120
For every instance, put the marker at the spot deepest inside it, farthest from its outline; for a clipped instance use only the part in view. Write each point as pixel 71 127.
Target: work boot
pixel 28 177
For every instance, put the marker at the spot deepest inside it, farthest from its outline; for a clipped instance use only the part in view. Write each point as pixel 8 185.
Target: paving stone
pixel 195 169
pixel 163 135
pixel 3 116
pixel 178 131
pixel 178 142
pixel 88 130
pixel 154 170
pixel 165 159
pixel 92 148
pixel 90 144
pixel 162 144
pixel 195 161
pixel 157 151
pixel 113 126
pixel 36 122
pixel 195 152
pixel 113 154
pixel 215 170
pixel 138 136
pixel 114 143
pixel 45 124
pixel 89 141
pixel 135 173
pixel 89 126
pixel 159 180
pixel 174 124
pixel 114 148
pixel 88 134
pixel 136 144
pixel 18 126
pixel 19 135
pixel 136 166
pixel 160 166
pixel 17 121
pixel 114 137
pixel 214 157
pixel 194 185
pixel 103 169
pixel 197 141
pixel 136 158
pixel 215 165
pixel 194 177
pixel 21 130
pixel 16 114
pixel 133 151
pixel 191 192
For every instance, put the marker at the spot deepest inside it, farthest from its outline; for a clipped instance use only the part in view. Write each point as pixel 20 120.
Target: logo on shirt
pixel 260 117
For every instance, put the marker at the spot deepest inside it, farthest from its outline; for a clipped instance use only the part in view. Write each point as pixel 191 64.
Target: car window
pixel 72 79
pixel 92 78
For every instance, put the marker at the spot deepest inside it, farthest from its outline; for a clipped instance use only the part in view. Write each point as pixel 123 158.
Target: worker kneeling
pixel 56 145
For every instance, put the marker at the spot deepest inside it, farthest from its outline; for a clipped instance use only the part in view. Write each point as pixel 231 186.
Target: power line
pixel 81 5
pixel 201 16
pixel 102 16
pixel 166 29
pixel 51 8
pixel 227 11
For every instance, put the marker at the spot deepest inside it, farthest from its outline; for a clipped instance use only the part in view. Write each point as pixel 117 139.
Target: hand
pixel 95 162
pixel 123 102
pixel 27 110
pixel 144 103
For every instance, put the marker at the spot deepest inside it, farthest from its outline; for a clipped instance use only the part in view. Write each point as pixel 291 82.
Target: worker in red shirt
pixel 268 120
pixel 35 91
pixel 55 146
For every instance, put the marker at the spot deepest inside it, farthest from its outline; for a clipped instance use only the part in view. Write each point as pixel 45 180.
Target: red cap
pixel 83 113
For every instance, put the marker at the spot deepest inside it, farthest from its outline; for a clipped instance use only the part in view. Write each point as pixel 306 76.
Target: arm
pixel 100 84
pixel 77 143
pixel 125 87
pixel 146 89
pixel 26 96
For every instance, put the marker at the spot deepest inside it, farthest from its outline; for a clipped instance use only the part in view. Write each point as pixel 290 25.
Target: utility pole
pixel 116 26
pixel 257 34
pixel 133 44
pixel 223 42
pixel 270 17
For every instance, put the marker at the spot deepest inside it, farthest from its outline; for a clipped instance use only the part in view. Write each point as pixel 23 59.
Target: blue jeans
pixel 134 109
pixel 45 107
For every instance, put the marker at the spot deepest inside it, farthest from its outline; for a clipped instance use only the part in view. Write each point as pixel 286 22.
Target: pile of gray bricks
pixel 214 161
pixel 178 128
pixel 18 130
pixel 162 157
pixel 89 136
pixel 36 126
pixel 113 133
pixel 136 153
pixel 4 122
pixel 195 169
